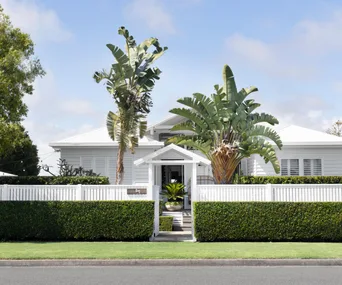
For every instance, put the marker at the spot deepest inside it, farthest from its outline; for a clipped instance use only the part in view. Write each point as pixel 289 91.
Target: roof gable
pixel 195 157
pixel 170 121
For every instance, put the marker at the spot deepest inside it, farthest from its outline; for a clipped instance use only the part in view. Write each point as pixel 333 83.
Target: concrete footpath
pixel 171 262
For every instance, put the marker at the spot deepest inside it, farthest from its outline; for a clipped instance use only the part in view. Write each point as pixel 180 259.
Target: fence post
pixel 5 194
pixel 156 210
pixel 155 193
pixel 79 193
pixel 269 193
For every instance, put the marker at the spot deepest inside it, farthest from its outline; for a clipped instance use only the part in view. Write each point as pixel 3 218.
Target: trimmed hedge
pixel 268 221
pixel 288 180
pixel 165 223
pixel 54 180
pixel 66 220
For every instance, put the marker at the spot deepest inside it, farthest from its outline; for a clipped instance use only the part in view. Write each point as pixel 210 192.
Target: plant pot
pixel 174 206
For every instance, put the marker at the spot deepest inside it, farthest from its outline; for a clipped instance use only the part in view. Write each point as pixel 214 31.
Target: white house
pixel 305 152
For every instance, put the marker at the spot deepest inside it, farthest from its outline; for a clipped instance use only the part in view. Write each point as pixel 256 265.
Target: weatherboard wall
pixel 103 161
pixel 330 156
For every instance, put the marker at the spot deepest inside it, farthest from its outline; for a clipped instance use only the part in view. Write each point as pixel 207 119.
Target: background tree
pixel 23 160
pixel 66 169
pixel 336 129
pixel 130 82
pixel 18 70
pixel 226 129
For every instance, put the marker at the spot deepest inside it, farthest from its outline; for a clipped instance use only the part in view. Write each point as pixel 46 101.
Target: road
pixel 170 275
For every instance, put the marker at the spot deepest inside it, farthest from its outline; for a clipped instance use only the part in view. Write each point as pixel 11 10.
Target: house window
pixel 290 167
pixel 164 136
pixel 312 167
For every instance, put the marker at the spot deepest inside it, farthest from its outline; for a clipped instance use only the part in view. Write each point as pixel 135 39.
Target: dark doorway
pixel 172 173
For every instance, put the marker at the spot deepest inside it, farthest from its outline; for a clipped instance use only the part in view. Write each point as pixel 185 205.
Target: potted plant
pixel 174 192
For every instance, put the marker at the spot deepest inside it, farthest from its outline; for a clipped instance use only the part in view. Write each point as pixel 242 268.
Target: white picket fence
pixel 72 192
pixel 266 192
pixel 271 192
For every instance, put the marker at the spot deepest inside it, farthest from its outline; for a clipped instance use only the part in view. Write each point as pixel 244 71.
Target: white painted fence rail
pixel 73 192
pixel 271 192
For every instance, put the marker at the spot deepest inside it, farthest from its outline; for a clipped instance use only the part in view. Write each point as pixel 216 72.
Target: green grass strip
pixel 163 250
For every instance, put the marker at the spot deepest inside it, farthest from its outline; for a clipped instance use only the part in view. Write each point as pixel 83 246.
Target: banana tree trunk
pixel 119 166
pixel 223 164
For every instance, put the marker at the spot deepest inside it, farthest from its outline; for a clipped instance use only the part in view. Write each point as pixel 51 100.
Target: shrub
pixel 268 221
pixel 288 180
pixel 165 223
pixel 66 220
pixel 54 180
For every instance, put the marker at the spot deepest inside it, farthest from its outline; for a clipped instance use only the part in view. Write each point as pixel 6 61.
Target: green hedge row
pixel 288 180
pixel 165 223
pixel 268 221
pixel 53 180
pixel 54 221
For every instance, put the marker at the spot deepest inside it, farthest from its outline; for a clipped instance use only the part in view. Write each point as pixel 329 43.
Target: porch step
pixel 184 228
pixel 186 219
pixel 186 225
pixel 174 236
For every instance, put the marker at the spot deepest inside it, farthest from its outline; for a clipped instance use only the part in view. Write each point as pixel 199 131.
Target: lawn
pixel 140 250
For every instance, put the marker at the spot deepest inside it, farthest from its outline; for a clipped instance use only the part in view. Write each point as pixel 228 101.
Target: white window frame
pixel 301 162
pixel 288 166
pixel 312 158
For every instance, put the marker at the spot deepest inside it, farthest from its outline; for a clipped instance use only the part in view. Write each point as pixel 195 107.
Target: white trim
pixel 313 143
pixel 105 144
pixel 171 162
pixel 149 158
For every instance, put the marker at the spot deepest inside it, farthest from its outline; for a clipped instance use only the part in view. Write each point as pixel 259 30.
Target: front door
pixel 172 173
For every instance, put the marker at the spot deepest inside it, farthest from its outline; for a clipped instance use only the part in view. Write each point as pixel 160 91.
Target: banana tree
pixel 226 129
pixel 130 81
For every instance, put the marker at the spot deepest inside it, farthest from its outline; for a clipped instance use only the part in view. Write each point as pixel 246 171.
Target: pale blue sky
pixel 291 50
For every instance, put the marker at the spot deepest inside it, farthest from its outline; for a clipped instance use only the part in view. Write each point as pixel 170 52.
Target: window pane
pixel 283 167
pixel 294 167
pixel 313 167
pixel 317 166
pixel 307 167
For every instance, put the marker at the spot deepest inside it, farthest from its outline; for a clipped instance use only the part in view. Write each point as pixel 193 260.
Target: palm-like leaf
pixel 130 81
pixel 226 129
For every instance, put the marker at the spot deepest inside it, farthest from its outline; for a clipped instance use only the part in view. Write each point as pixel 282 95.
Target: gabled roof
pixel 98 137
pixel 168 122
pixel 296 135
pixel 195 157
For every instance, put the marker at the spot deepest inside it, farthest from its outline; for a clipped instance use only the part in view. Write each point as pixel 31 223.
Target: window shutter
pixel 317 167
pixel 100 166
pixel 307 167
pixel 313 167
pixel 294 167
pixel 284 167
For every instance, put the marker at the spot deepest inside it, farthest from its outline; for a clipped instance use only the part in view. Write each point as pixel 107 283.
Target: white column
pixel 150 182
pixel 156 210
pixel 194 196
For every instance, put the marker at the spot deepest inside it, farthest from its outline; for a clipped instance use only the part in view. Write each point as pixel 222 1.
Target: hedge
pixel 69 220
pixel 53 180
pixel 268 221
pixel 288 180
pixel 165 223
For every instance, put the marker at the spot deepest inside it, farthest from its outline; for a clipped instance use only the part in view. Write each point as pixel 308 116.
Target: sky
pixel 291 50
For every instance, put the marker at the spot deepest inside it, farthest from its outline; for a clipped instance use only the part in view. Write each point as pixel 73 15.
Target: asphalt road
pixel 170 275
